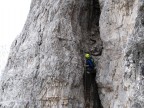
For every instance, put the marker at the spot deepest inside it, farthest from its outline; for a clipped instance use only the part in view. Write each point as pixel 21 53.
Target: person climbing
pixel 92 99
pixel 90 65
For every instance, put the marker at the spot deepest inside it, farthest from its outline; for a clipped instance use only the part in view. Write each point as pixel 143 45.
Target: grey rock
pixel 45 65
pixel 121 65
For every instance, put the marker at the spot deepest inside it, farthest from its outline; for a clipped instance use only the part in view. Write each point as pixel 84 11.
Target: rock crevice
pixel 46 64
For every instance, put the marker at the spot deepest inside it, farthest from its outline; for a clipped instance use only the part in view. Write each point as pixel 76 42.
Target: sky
pixel 13 14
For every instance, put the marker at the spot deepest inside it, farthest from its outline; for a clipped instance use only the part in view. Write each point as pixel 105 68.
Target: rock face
pixel 121 64
pixel 46 64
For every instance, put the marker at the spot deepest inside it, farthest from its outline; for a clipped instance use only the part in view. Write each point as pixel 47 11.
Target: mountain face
pixel 45 68
pixel 121 65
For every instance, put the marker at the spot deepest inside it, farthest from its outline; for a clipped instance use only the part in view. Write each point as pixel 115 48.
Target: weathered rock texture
pixel 45 67
pixel 121 64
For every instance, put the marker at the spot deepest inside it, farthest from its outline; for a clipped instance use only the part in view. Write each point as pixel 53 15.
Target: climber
pixel 90 65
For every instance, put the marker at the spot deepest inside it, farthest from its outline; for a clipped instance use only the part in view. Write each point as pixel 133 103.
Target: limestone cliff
pixel 46 64
pixel 121 64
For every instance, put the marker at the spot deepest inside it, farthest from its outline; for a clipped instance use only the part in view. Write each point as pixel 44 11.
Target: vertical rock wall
pixel 121 65
pixel 45 66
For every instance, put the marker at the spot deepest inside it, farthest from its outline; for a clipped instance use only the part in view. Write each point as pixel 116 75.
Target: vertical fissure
pixel 94 47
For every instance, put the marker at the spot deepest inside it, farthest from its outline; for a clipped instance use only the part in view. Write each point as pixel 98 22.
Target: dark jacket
pixel 90 63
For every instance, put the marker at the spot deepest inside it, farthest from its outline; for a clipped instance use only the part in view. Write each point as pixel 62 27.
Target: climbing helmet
pixel 87 55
